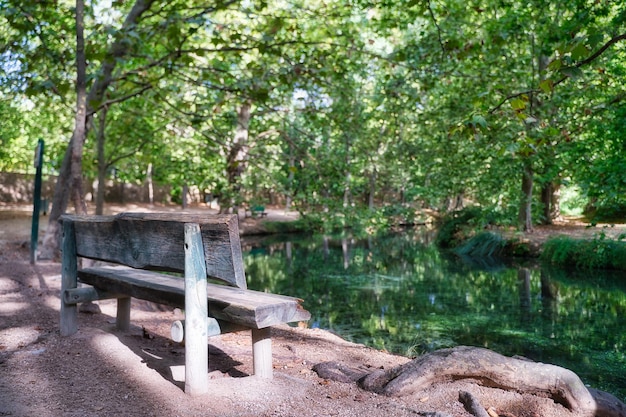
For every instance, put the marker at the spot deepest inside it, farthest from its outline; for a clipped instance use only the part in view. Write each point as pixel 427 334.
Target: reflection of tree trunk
pixel 326 252
pixel 346 253
pixel 288 255
pixel 237 159
pixel 549 296
pixel 523 276
pixel 525 208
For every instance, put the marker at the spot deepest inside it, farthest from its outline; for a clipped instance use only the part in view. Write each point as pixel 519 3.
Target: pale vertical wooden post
pixel 122 320
pixel 196 314
pixel 262 352
pixel 69 312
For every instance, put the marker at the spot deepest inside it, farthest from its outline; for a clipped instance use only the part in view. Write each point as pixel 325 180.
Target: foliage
pixel 456 227
pixel 482 245
pixel 359 109
pixel 599 252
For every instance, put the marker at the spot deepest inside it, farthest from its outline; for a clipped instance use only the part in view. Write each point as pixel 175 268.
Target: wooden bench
pixel 141 247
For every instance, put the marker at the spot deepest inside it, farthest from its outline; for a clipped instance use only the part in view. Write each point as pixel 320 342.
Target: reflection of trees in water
pixel 397 294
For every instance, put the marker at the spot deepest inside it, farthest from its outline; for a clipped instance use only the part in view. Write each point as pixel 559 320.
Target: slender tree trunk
pixel 237 159
pixel 372 191
pixel 555 201
pixel 80 129
pixel 525 208
pixel 290 178
pixel 69 184
pixel 102 165
pixel 346 187
pixel 150 185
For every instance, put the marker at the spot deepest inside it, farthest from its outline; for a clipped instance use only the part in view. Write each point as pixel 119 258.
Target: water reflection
pixel 400 293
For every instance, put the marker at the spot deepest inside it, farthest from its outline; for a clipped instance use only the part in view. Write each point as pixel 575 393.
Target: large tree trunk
pixel 551 200
pixel 237 160
pixel 525 207
pixel 69 182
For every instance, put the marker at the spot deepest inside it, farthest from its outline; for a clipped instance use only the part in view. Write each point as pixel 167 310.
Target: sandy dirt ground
pixel 102 372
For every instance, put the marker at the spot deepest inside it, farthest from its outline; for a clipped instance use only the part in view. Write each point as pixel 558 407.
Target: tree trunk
pixel 76 169
pixel 150 185
pixel 102 165
pixel 525 208
pixel 290 178
pixel 68 180
pixel 551 201
pixel 372 191
pixel 347 176
pixel 237 160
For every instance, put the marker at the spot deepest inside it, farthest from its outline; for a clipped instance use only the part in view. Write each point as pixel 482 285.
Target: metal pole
pixel 34 235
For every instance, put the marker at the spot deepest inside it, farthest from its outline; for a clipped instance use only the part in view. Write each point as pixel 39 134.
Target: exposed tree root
pixel 493 370
pixel 487 368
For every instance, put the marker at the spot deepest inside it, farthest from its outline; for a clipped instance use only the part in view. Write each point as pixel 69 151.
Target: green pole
pixel 34 235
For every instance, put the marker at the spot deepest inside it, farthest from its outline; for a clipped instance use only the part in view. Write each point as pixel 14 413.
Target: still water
pixel 402 294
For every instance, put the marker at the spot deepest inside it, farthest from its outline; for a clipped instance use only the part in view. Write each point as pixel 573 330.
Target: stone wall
pixel 19 188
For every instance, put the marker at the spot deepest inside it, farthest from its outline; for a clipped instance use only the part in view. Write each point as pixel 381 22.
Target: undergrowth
pixel 484 244
pixel 599 252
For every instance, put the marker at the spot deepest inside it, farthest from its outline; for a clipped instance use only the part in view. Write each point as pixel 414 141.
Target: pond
pixel 402 294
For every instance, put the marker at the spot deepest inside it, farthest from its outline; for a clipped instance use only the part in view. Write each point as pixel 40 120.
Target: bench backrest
pixel 155 241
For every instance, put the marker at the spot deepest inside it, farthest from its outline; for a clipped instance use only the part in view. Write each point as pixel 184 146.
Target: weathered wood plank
pixel 177 331
pixel 85 295
pixel 262 353
pixel 249 308
pixel 69 311
pixel 153 241
pixel 196 314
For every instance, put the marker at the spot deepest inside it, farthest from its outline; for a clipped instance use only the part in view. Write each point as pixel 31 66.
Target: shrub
pixel 598 252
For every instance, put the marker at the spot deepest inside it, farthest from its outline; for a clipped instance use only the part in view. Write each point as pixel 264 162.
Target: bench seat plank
pixel 252 309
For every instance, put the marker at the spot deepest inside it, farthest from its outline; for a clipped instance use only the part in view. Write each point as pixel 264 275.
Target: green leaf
pixel 572 72
pixel 518 104
pixel 546 86
pixel 580 51
pixel 480 121
pixel 595 39
pixel 555 65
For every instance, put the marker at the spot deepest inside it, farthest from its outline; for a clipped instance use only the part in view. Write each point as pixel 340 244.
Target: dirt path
pixel 101 372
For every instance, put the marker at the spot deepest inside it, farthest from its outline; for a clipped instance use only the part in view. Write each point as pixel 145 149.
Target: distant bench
pixel 198 246
pixel 258 211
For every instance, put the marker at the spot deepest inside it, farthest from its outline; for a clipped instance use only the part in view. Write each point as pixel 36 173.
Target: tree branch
pixel 585 61
pixel 432 15
pixel 107 103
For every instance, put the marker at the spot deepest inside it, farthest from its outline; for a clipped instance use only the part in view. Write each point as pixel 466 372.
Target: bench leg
pixel 196 314
pixel 69 312
pixel 262 352
pixel 122 320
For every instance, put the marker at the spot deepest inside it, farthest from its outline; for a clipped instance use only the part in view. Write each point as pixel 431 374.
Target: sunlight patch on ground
pixel 15 338
pixel 10 308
